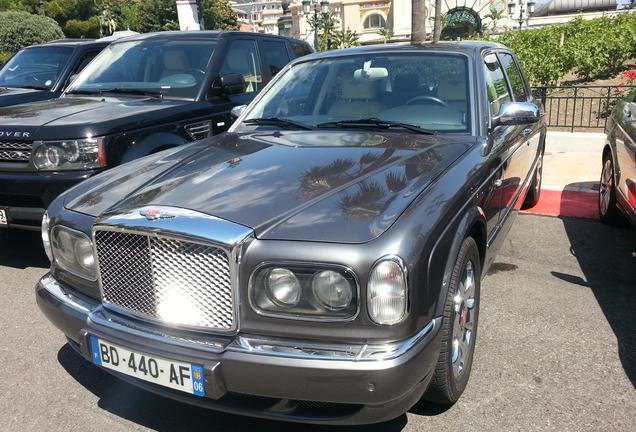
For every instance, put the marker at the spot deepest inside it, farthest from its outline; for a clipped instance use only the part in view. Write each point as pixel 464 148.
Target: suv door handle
pixel 498 183
pixel 527 131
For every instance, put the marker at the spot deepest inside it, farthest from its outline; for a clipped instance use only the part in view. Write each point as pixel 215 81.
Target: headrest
pixel 406 82
pixel 175 60
pixel 358 90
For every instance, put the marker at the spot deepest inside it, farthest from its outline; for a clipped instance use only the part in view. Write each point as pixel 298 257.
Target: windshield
pixel 429 91
pixel 172 68
pixel 37 68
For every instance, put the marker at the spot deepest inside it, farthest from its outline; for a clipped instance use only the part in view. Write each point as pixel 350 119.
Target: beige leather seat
pixel 174 62
pixel 240 61
pixel 452 90
pixel 358 99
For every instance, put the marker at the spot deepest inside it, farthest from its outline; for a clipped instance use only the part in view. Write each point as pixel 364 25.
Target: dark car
pixel 141 95
pixel 617 193
pixel 322 261
pixel 41 72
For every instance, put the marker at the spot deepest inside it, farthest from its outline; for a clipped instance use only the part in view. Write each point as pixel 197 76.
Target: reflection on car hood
pixel 339 186
pixel 13 96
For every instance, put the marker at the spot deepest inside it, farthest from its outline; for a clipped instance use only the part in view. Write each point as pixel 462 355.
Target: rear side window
pixel 514 77
pixel 496 86
pixel 276 56
pixel 300 50
pixel 242 58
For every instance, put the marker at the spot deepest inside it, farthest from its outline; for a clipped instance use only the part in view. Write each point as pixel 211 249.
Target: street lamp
pixel 529 4
pixel 317 6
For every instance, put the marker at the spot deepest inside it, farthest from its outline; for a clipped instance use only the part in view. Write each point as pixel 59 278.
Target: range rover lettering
pixel 141 95
pixel 322 261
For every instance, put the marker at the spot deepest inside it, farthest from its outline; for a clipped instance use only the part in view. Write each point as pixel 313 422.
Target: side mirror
pixel 237 111
pixel 228 84
pixel 516 113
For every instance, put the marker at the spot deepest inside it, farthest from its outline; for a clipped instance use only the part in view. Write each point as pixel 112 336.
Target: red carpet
pixel 567 204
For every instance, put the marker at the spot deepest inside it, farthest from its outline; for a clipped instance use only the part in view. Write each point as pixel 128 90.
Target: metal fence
pixel 579 107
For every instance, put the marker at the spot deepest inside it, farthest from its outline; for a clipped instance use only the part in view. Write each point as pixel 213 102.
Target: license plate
pixel 3 217
pixel 186 377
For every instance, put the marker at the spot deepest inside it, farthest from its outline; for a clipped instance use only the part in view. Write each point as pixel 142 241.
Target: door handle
pixel 498 183
pixel 527 131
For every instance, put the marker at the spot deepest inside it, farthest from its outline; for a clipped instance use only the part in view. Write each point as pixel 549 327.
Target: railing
pixel 579 107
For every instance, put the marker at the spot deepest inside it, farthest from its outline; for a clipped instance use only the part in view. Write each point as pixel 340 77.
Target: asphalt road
pixel 556 348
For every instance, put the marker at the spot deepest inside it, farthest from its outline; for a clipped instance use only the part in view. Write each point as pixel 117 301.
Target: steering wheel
pixel 433 99
pixel 200 72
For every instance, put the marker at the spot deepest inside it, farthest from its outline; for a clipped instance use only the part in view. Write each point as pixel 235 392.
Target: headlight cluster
pixel 303 291
pixel 70 154
pixel 73 252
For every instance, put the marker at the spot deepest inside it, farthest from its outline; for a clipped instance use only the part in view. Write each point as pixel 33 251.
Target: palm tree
pixel 437 28
pixel 418 21
pixel 346 39
pixel 494 16
pixel 386 33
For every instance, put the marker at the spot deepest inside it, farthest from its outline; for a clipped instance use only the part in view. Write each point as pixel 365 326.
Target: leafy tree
pixel 495 15
pixel 386 33
pixel 219 15
pixel 346 39
pixel 21 29
pixel 156 15
pixel 90 28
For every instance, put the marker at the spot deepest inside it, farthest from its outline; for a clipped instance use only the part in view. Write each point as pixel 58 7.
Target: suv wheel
pixel 534 192
pixel 459 328
pixel 607 210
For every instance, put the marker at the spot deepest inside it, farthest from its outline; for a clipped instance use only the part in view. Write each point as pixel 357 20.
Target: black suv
pixel 41 72
pixel 140 95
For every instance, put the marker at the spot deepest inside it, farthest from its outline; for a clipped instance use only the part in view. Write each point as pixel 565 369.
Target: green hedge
pixel 90 28
pixel 591 49
pixel 21 29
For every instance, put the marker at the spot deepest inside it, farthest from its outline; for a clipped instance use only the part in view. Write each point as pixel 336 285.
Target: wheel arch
pixel 152 144
pixel 471 224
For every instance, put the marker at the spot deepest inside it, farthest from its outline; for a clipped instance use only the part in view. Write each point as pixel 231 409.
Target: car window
pixel 276 56
pixel 514 77
pixel 86 59
pixel 242 58
pixel 38 67
pixel 300 50
pixel 427 90
pixel 175 68
pixel 496 87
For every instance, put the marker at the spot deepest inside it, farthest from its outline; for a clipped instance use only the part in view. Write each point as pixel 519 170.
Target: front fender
pixel 151 144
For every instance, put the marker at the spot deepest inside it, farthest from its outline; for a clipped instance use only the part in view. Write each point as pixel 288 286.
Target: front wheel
pixel 459 328
pixel 534 192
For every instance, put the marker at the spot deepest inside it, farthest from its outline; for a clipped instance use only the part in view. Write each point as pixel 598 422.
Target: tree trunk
pixel 418 21
pixel 437 27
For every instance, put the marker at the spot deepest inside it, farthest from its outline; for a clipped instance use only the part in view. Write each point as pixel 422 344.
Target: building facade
pixel 461 18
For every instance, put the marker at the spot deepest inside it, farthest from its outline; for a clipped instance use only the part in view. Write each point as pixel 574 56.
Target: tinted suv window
pixel 496 87
pixel 242 58
pixel 276 56
pixel 36 67
pixel 514 76
pixel 300 50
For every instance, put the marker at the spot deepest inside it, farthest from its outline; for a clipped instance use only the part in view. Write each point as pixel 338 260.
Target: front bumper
pixel 277 379
pixel 26 195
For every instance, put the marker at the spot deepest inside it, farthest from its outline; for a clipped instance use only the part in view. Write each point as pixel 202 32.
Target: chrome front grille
pixel 15 151
pixel 165 279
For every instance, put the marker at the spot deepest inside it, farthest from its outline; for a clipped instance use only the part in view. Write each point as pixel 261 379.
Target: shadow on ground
pixel 22 249
pixel 607 258
pixel 159 413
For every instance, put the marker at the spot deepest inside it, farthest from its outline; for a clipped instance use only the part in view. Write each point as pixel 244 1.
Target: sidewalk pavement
pixel 571 171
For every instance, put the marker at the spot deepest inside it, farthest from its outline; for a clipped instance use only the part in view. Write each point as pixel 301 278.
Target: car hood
pixel 90 116
pixel 332 186
pixel 14 96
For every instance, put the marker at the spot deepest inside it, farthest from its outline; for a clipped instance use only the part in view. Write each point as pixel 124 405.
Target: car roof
pixel 203 34
pixel 72 43
pixel 467 47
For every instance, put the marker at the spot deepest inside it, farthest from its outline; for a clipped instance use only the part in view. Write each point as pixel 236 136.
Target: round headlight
pixel 386 293
pixel 47 157
pixel 332 290
pixel 283 287
pixel 72 150
pixel 46 236
pixel 84 254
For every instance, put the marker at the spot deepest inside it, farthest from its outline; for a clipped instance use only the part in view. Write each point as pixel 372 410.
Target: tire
pixel 607 210
pixel 459 328
pixel 534 191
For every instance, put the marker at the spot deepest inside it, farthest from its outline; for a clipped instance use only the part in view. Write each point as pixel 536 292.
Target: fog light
pixel 283 287
pixel 332 290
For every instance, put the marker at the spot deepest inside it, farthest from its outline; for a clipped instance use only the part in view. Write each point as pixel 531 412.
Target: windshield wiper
pixel 376 122
pixel 277 121
pixel 132 91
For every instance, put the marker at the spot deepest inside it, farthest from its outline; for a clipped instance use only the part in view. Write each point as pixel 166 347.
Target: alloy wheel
pixel 607 183
pixel 464 305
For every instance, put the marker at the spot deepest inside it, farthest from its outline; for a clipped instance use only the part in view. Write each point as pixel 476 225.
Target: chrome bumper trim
pixel 245 344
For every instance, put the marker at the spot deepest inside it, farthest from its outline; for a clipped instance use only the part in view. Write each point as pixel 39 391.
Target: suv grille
pixel 166 280
pixel 15 151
